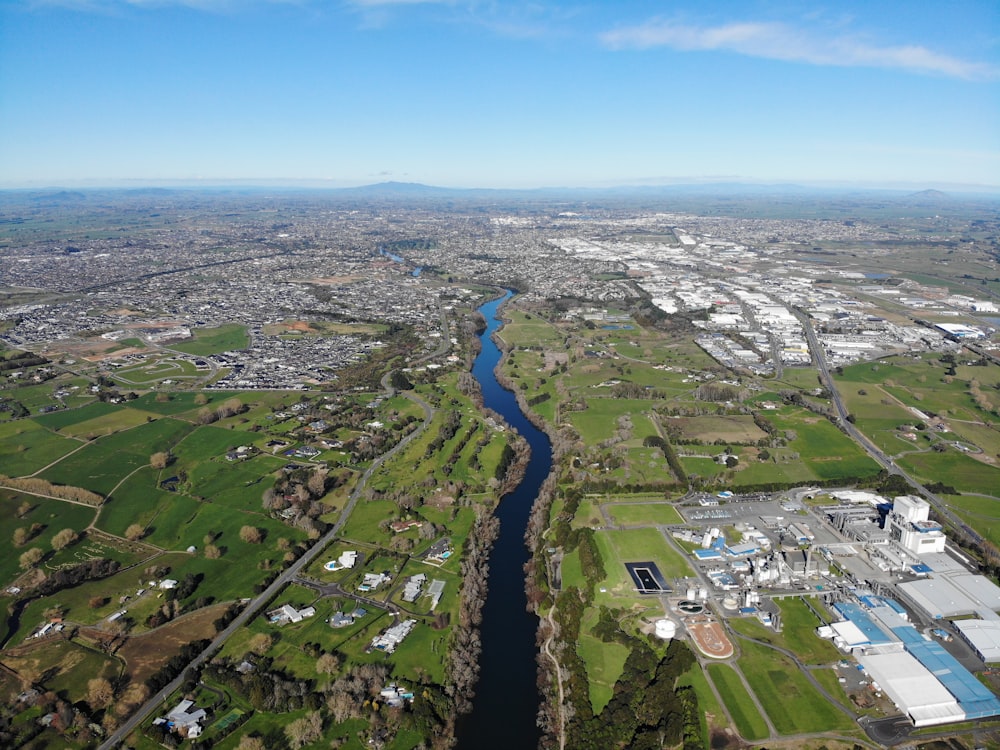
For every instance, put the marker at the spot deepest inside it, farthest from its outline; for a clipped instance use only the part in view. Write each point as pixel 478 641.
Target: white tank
pixel 666 629
pixel 730 603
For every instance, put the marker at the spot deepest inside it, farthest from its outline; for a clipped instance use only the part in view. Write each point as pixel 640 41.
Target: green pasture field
pixel 600 420
pixel 215 340
pixel 36 397
pixel 770 471
pixel 956 469
pixel 733 429
pixel 61 664
pixel 124 419
pixel 207 443
pixel 801 378
pixel 572 573
pixel 604 661
pixel 641 466
pixel 985 520
pixel 52 515
pixel 749 723
pixel 773 677
pixel 657 512
pixel 529 330
pixel 587 513
pixel 101 464
pixel 825 450
pixel 708 704
pixel 798 633
pixel 57 420
pixel 27 447
pixel 875 403
pixel 179 402
pixel 702 467
pixel 830 680
pixel 237 484
pixel 423 655
pixel 364 520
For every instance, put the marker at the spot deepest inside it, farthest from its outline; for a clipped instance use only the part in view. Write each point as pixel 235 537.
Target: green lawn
pixel 59 419
pixel 215 340
pixel 604 663
pixel 100 465
pixel 749 723
pixel 661 512
pixel 773 677
pixel 26 447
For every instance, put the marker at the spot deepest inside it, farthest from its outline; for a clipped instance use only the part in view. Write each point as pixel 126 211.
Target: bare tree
pixel 303 731
pixel 99 692
pixel 159 460
pixel 135 532
pixel 251 535
pixel 31 558
pixel 63 539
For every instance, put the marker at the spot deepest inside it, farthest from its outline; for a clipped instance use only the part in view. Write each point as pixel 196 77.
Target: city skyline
pixel 465 94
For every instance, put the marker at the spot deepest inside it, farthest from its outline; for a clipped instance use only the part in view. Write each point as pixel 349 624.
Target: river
pixel 506 701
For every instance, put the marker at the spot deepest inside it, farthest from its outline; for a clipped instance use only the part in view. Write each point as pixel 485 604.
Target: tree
pixel 20 536
pixel 31 558
pixel 327 664
pixel 23 509
pixel 251 742
pixel 159 460
pixel 135 532
pixel 96 602
pixel 212 552
pixel 303 731
pixel 99 692
pixel 63 539
pixel 201 399
pixel 251 535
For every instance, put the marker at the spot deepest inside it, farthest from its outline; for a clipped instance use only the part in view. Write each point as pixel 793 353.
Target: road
pixel 883 460
pixel 286 576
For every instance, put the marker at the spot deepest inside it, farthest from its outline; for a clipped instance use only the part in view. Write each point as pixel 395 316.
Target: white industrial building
pixel 983 636
pixel 909 525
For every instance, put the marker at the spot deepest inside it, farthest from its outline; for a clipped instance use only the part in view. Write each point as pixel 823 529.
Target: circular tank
pixel 666 629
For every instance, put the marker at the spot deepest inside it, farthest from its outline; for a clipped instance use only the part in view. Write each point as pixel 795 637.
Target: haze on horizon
pixel 461 93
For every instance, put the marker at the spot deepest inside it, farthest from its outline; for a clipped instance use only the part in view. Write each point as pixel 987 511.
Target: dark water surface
pixel 506 702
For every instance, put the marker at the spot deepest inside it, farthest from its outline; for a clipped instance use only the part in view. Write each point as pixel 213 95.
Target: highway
pixel 883 460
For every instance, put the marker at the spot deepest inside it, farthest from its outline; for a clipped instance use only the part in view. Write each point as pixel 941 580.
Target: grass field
pixel 51 515
pixel 60 664
pixel 214 340
pixel 604 662
pixel 27 447
pixel 657 512
pixel 101 464
pixel 635 545
pixel 60 419
pixel 749 723
pixel 953 468
pixel 798 633
pixel 773 677
pixel 712 716
pixel 124 419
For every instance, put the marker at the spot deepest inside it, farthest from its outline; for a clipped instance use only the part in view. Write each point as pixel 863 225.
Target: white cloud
pixel 778 41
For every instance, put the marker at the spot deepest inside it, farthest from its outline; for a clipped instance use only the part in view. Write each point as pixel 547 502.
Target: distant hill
pixel 927 196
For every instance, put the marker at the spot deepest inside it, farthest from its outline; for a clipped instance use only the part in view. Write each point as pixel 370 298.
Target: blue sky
pixel 480 93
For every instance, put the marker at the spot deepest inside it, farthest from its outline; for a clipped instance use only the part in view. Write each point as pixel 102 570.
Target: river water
pixel 506 701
